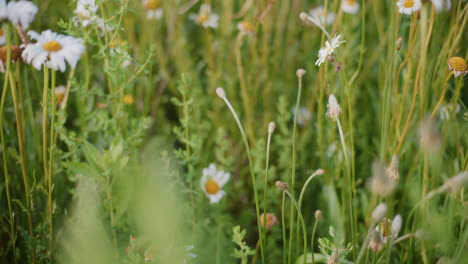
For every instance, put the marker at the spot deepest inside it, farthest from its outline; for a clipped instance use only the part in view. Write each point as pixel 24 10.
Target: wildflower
pixel 392 170
pixel 281 185
pixel 408 7
pixel 300 73
pixel 60 94
pixel 441 5
pixel 318 214
pixel 396 225
pixel 85 12
pixel 376 241
pixel 128 99
pixel 3 10
pixel 380 184
pixel 334 108
pixel 430 139
pixel 153 9
pixel 328 49
pixel 350 6
pixel 246 27
pixel 205 17
pixel 320 15
pixel 270 219
pixel 21 13
pixel 212 181
pixel 52 50
pixel 303 115
pixel 458 65
pixel 271 127
pixel 220 92
pixel 379 212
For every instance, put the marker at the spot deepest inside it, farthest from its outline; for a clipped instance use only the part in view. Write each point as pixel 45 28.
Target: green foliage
pixel 244 251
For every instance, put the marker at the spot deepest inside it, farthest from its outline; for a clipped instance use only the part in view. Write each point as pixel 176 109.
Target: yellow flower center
pixel 128 99
pixel 351 2
pixel 458 64
pixel 52 46
pixel 211 187
pixel 408 3
pixel 202 18
pixel 152 4
pixel 59 97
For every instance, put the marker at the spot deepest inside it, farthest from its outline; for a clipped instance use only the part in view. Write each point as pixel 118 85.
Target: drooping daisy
pixel 320 15
pixel 205 17
pixel 153 9
pixel 212 181
pixel 458 65
pixel 21 13
pixel 334 108
pixel 442 5
pixel 15 55
pixel 408 7
pixel 53 50
pixel 246 27
pixel 328 49
pixel 350 6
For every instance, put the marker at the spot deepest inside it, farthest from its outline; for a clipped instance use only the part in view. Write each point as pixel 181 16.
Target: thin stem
pixel 252 173
pixel 366 241
pixel 51 158
pixel 265 186
pixel 312 240
pixel 283 227
pixel 305 187
pixel 301 218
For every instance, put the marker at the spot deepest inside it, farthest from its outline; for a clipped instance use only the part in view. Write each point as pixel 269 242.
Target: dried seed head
pixel 396 225
pixel 271 127
pixel 281 185
pixel 220 92
pixel 318 214
pixel 392 170
pixel 380 184
pixel 268 218
pixel 455 183
pixel 398 43
pixel 15 53
pixel 300 73
pixel 379 212
pixel 376 242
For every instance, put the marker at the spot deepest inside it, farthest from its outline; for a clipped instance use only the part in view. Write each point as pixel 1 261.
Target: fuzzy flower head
pixel 320 15
pixel 380 184
pixel 21 12
pixel 329 48
pixel 268 220
pixel 458 65
pixel 442 5
pixel 212 181
pixel 246 27
pixel 392 170
pixel 334 108
pixel 153 9
pixel 205 17
pixel 350 6
pixel 53 50
pixel 408 7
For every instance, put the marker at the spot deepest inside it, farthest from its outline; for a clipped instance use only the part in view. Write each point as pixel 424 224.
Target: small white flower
pixel 408 7
pixel 85 12
pixel 212 181
pixel 53 50
pixel 334 108
pixel 153 9
pixel 205 17
pixel 303 115
pixel 442 5
pixel 319 15
pixel 328 49
pixel 2 34
pixel 21 12
pixel 350 6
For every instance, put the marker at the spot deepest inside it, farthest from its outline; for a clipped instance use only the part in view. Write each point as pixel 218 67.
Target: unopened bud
pixel 271 127
pixel 319 172
pixel 300 73
pixel 318 214
pixel 303 16
pixel 398 43
pixel 396 225
pixel 379 212
pixel 281 185
pixel 220 92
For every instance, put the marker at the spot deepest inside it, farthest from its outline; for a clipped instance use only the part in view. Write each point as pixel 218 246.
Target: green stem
pixel 301 218
pixel 265 189
pixel 283 227
pixel 312 240
pixel 51 158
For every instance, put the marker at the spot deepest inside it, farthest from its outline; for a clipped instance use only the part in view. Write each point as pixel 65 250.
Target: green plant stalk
pixel 254 185
pixel 312 238
pixel 283 227
pixel 44 123
pixel 293 167
pixel 51 159
pixel 265 191
pixel 301 195
pixel 301 218
pixel 4 150
pixel 364 244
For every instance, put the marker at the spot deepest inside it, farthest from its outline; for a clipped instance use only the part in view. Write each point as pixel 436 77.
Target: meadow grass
pixel 198 131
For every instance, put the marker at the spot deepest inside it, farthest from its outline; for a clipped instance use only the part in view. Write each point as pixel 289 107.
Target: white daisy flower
pixel 328 49
pixel 303 115
pixel 350 6
pixel 205 17
pixel 334 108
pixel 2 34
pixel 442 5
pixel 153 9
pixel 85 13
pixel 212 181
pixel 408 7
pixel 319 15
pixel 53 50
pixel 21 12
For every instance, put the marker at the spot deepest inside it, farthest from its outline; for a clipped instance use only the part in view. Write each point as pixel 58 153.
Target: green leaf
pixel 93 155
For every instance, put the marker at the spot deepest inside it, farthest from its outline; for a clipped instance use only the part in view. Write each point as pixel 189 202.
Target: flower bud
pixel 396 225
pixel 220 92
pixel 379 212
pixel 300 73
pixel 318 214
pixel 271 127
pixel 270 220
pixel 398 43
pixel 281 185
